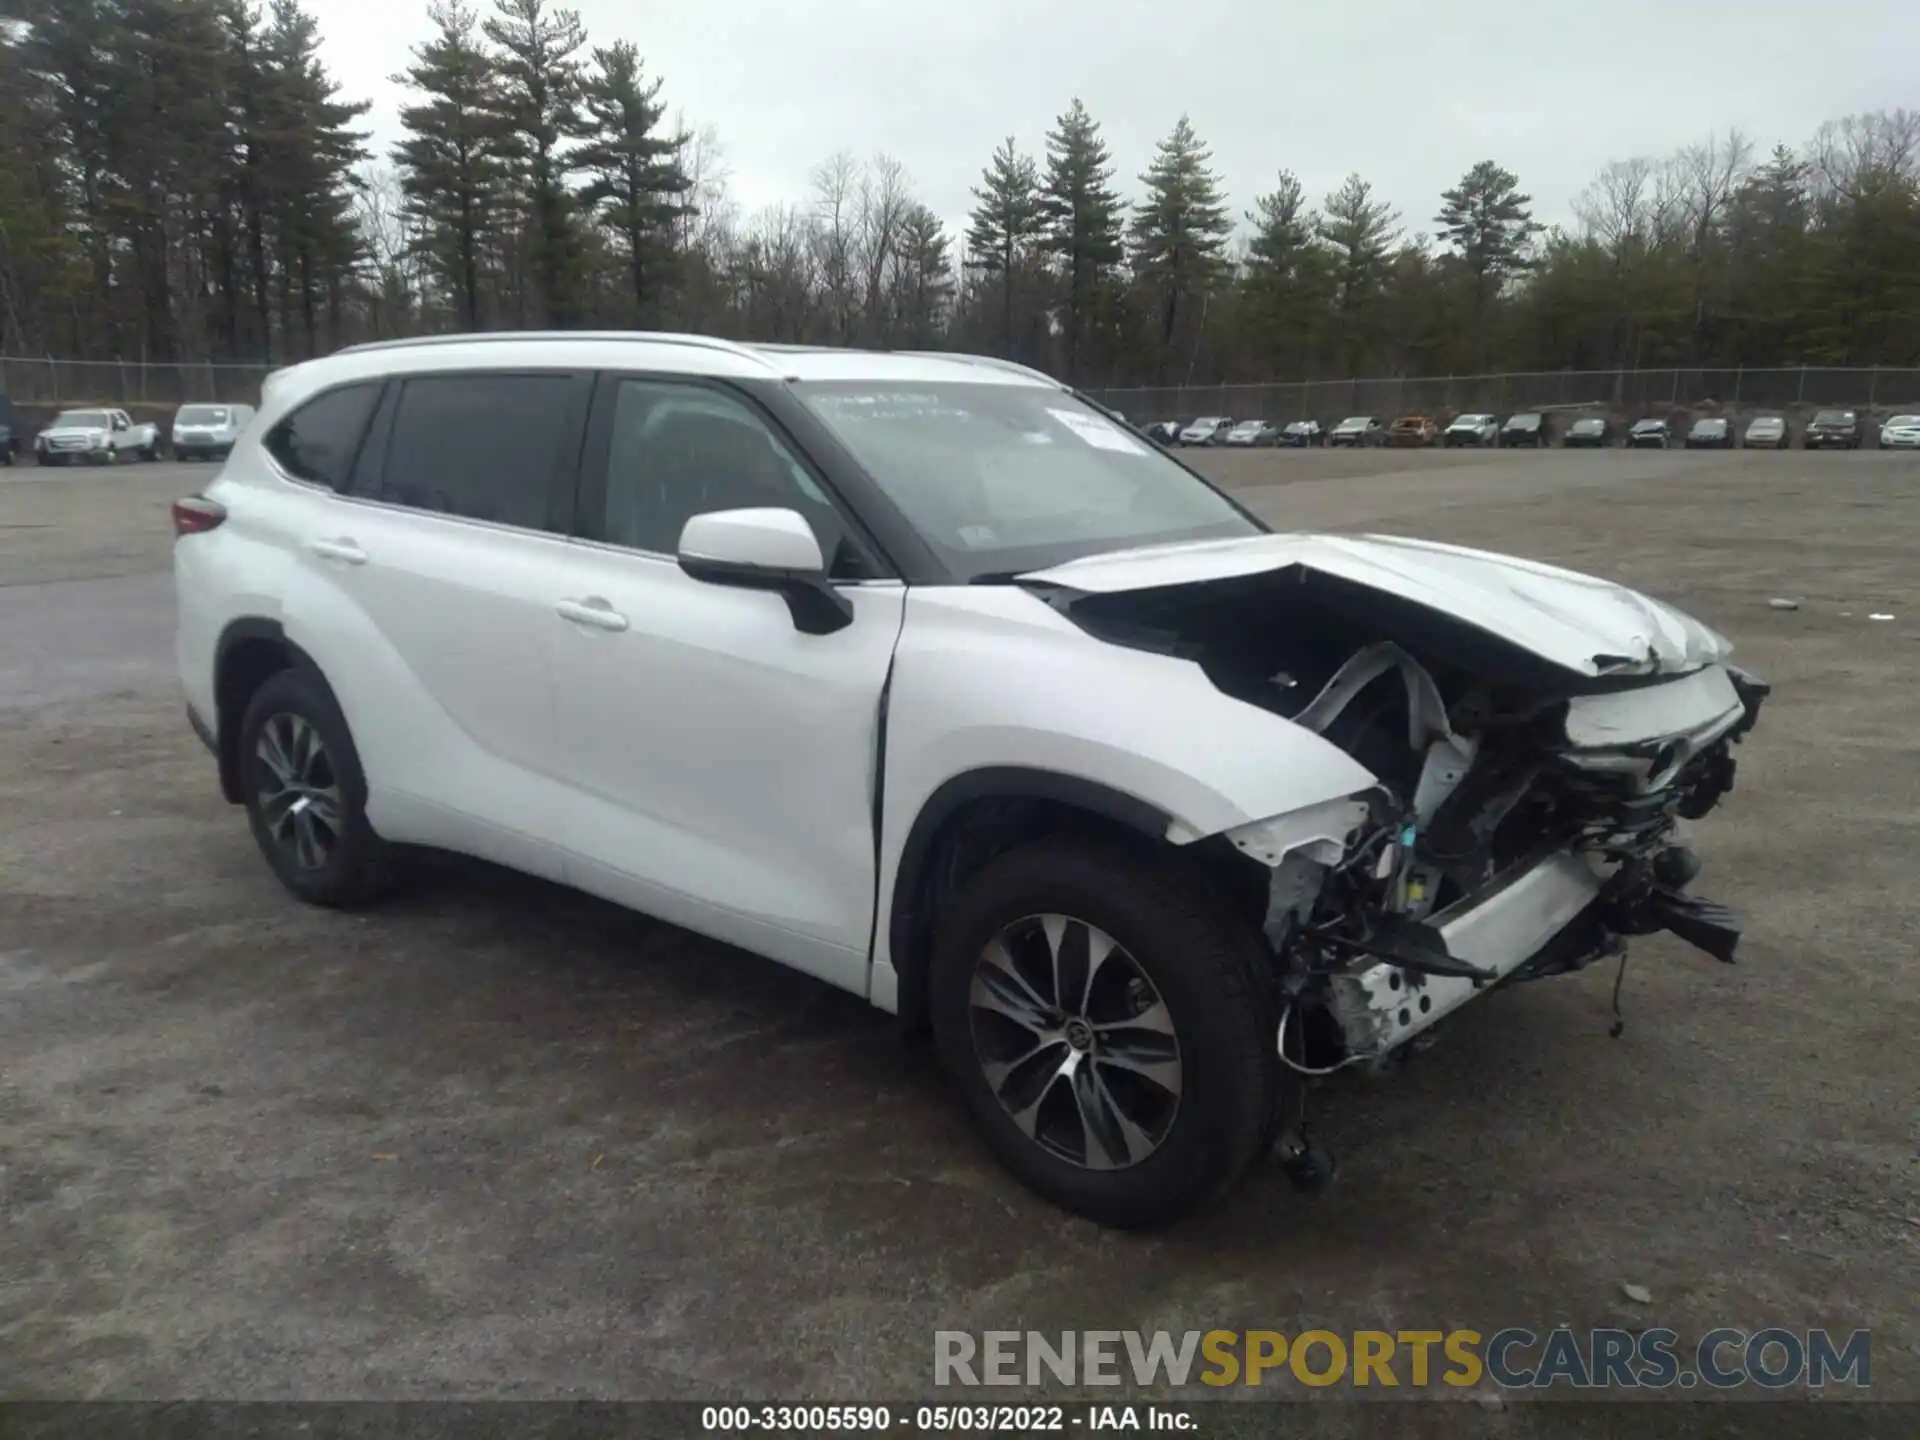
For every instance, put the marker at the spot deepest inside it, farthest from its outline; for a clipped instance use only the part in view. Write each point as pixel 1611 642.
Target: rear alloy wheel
pixel 306 795
pixel 1101 1017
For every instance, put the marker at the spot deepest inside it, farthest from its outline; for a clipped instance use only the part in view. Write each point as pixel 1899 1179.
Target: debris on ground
pixel 1639 1294
pixel 1779 604
pixel 1879 617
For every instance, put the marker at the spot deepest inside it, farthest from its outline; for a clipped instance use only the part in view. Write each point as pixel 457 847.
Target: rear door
pixel 446 549
pixel 720 763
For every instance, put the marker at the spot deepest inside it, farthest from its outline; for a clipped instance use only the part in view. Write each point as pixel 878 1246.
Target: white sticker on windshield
pixel 1100 434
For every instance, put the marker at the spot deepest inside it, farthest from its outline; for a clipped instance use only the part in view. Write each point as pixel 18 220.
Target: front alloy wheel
pixel 1075 1042
pixel 298 792
pixel 1105 1018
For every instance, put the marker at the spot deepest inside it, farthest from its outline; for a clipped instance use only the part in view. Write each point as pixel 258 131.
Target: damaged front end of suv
pixel 1539 739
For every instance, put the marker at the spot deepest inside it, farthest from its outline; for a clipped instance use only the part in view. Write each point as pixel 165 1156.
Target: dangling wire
pixel 1619 1026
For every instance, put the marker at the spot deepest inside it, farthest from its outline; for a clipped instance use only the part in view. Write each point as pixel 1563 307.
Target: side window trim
pixel 590 490
pixel 372 448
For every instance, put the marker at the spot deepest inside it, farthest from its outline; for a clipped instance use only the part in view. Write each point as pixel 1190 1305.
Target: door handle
pixel 592 611
pixel 342 550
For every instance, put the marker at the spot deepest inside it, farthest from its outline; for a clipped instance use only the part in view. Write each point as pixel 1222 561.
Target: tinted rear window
pixel 318 441
pixel 482 446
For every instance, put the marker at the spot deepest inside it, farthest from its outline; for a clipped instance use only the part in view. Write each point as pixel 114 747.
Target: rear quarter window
pixel 318 441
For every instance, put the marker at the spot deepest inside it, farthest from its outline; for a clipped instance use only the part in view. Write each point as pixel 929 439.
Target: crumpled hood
pixel 1587 625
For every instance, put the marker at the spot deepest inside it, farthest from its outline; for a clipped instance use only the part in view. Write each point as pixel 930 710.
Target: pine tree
pixel 1490 226
pixel 1006 227
pixel 922 281
pixel 1359 233
pixel 1285 276
pixel 312 153
pixel 639 188
pixel 1179 231
pixel 452 163
pixel 538 98
pixel 1081 214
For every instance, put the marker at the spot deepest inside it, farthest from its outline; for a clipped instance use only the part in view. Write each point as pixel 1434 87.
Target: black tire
pixel 1205 968
pixel 358 865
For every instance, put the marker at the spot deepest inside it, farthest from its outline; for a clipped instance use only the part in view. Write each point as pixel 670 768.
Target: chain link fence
pixel 1628 392
pixel 46 381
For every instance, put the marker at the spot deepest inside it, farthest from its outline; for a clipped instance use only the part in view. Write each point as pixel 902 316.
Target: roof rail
pixel 656 337
pixel 990 360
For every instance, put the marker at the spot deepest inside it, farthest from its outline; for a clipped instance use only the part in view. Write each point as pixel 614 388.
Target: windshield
pixel 1523 422
pixel 1208 422
pixel 1709 425
pixel 1904 420
pixel 1355 422
pixel 1473 420
pixel 1766 422
pixel 1247 427
pixel 82 420
pixel 1300 425
pixel 1834 417
pixel 201 415
pixel 1589 427
pixel 1002 479
pixel 1649 424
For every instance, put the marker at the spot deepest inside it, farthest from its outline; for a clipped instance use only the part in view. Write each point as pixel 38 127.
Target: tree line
pixel 187 182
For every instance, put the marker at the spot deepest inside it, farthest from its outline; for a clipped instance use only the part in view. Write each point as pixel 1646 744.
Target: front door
pixel 720 763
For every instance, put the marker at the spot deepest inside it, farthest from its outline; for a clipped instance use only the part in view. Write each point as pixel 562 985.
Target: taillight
pixel 195 515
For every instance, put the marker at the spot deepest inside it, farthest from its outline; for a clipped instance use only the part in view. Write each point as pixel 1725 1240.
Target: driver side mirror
pixel 766 549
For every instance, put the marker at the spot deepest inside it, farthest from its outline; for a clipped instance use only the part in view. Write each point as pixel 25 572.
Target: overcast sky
pixel 1408 94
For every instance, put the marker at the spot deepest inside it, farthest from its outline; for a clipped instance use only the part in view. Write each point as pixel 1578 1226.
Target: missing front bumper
pixel 1382 1006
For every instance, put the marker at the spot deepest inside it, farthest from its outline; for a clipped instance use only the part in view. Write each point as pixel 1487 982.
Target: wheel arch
pixel 250 650
pixel 980 813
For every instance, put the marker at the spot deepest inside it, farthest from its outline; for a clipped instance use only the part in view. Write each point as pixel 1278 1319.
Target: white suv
pixel 923 675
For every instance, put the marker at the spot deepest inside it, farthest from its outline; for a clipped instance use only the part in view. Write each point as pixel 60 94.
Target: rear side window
pixel 487 447
pixel 318 441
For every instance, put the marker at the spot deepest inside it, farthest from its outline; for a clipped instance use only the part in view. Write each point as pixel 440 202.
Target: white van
pixel 208 431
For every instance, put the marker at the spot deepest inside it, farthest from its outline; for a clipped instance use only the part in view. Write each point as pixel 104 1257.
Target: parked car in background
pixel 96 436
pixel 1051 817
pixel 1901 432
pixel 1649 434
pixel 1359 430
pixel 1207 430
pixel 1412 431
pixel 1472 430
pixel 1589 432
pixel 1166 432
pixel 1831 430
pixel 1251 432
pixel 1766 432
pixel 9 437
pixel 207 432
pixel 1710 432
pixel 1529 427
pixel 1302 433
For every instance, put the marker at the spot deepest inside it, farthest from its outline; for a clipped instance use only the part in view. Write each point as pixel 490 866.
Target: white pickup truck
pixel 98 436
